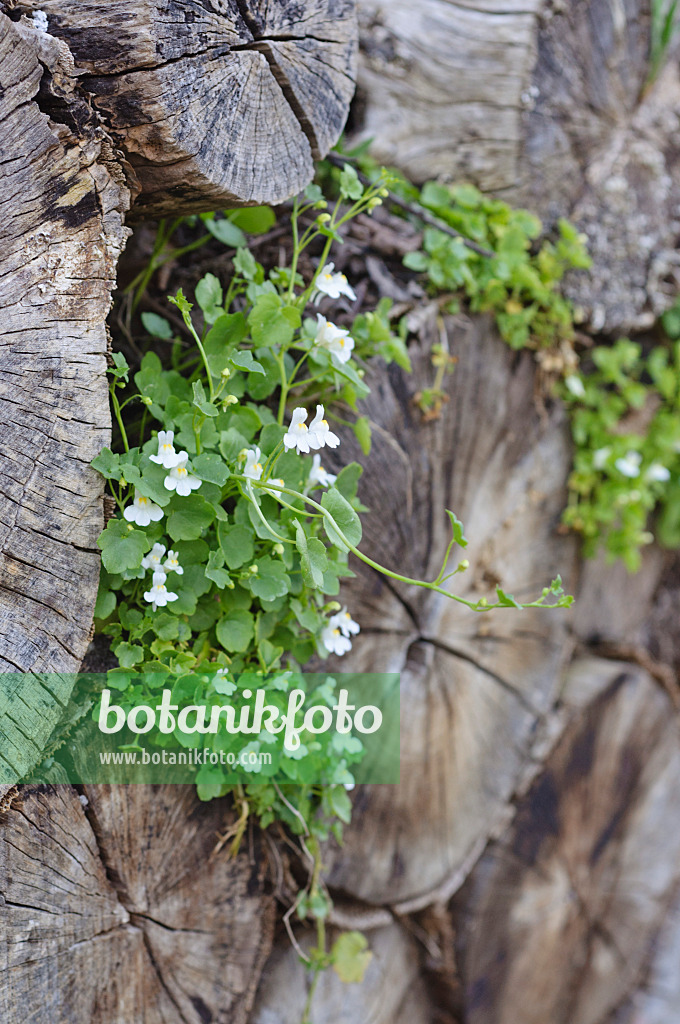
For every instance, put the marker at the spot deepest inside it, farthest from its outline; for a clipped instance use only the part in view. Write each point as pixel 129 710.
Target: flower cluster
pixel 317 435
pixel 335 635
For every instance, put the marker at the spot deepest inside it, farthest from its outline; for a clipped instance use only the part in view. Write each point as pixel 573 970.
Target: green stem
pixel 116 408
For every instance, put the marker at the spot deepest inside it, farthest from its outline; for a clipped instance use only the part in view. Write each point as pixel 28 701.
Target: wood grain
pixel 115 912
pixel 214 104
pixel 473 686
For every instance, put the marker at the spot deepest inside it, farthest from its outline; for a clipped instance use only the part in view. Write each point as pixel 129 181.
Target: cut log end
pixel 214 104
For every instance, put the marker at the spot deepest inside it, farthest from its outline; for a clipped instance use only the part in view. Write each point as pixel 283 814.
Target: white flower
pixel 600 457
pixel 179 478
pixel 222 683
pixel 630 464
pixel 318 475
pixel 253 466
pixel 322 433
pixel 167 456
pixel 334 641
pixel 331 284
pixel 159 595
pixel 344 622
pixel 349 785
pixel 575 385
pixel 142 511
pixel 275 484
pixel 334 339
pixel 154 558
pixel 658 473
pixel 297 435
pixel 171 563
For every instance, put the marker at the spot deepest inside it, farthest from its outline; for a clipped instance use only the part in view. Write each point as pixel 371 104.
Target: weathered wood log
pixel 547 105
pixel 214 104
pixel 392 991
pixel 563 914
pixel 473 687
pixel 114 909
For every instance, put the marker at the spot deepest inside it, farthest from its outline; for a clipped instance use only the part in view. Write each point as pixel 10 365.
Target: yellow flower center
pixel 328 277
pixel 324 423
pixel 181 471
pixel 142 501
pixel 161 586
pixel 257 466
pixel 342 342
pixel 303 426
pixel 336 632
pixel 166 447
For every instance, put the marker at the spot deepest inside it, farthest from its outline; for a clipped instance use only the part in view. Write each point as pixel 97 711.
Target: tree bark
pixel 546 105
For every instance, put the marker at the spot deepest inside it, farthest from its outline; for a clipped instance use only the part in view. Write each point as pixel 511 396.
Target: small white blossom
pixel 222 683
pixel 253 466
pixel 334 641
pixel 658 473
pixel 334 339
pixel 180 479
pixel 349 785
pixel 344 622
pixel 159 595
pixel 297 435
pixel 40 21
pixel 171 563
pixel 154 558
pixel 331 284
pixel 321 432
pixel 166 456
pixel 318 475
pixel 275 484
pixel 629 465
pixel 600 457
pixel 143 511
pixel 575 386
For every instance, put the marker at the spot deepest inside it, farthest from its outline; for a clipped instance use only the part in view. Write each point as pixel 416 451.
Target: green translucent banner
pixel 205 728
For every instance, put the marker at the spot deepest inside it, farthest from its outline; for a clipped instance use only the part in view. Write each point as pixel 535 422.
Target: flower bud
pixel 323 218
pixel 372 203
pixel 145 400
pixel 226 372
pixel 483 602
pixel 278 548
pixel 462 566
pixel 384 192
pixel 253 569
pixel 321 204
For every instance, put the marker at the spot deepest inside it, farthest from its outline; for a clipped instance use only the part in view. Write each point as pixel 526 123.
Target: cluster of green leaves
pixel 519 286
pixel 625 418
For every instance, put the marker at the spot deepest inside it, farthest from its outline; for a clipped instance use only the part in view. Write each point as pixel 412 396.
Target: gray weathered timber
pixel 62 204
pixel 214 102
pixel 392 991
pixel 114 910
pixel 473 686
pixel 544 104
pixel 564 913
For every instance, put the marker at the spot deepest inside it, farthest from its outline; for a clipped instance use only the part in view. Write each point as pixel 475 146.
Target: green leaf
pixel 190 518
pixel 211 468
pixel 457 529
pixel 243 360
pixel 105 605
pixel 362 432
pixel 232 442
pixel 157 326
pixel 351 956
pixel 209 297
pixel 227 331
pixel 254 220
pixel 237 543
pixel 201 402
pixel 245 264
pixel 350 186
pixel 348 480
pixel 271 580
pixel 313 557
pixel 122 546
pixel 506 600
pixel 121 368
pixel 345 517
pixel 236 630
pixel 226 232
pixel 272 324
pixel 180 300
pixel 108 464
pixel 128 654
pixel 215 572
